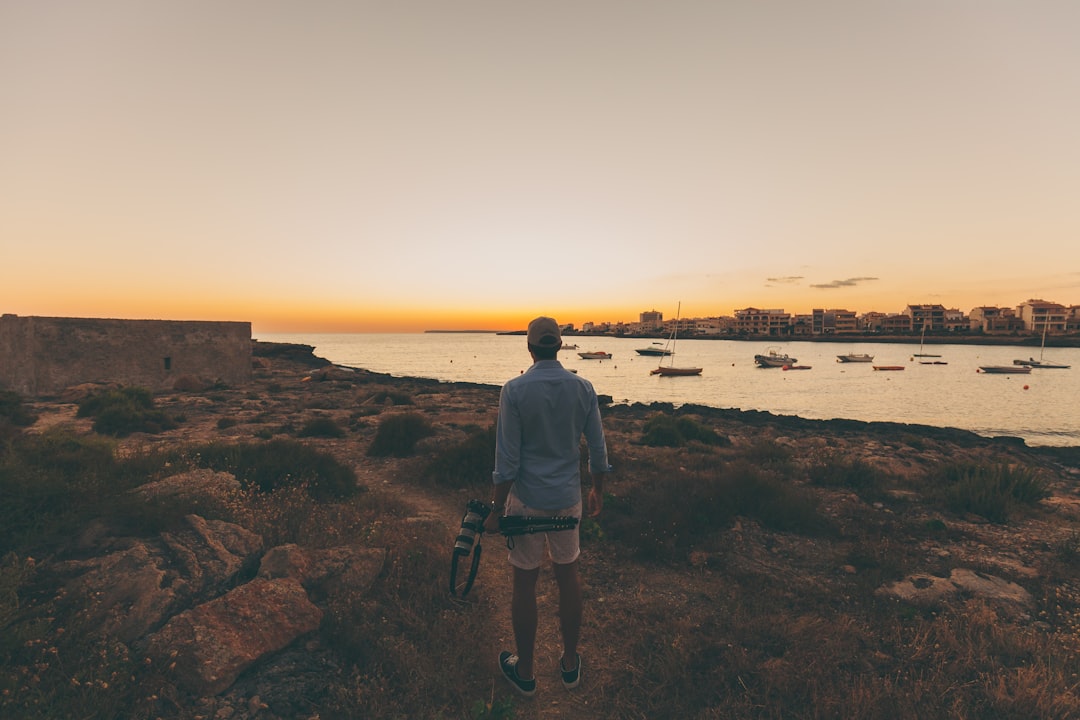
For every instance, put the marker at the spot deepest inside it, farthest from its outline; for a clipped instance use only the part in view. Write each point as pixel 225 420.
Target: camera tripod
pixel 472 529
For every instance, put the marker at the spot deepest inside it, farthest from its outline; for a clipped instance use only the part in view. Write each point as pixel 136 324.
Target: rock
pixel 930 590
pixel 197 483
pixel 328 571
pixel 125 593
pixel 211 552
pixel 206 648
pixel 130 591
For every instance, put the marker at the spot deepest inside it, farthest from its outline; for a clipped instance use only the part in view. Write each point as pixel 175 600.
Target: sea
pixel 1042 408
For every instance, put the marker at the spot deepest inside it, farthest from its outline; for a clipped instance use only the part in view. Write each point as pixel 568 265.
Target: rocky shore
pixel 232 620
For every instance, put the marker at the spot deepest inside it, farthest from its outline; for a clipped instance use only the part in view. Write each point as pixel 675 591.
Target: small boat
pixel 855 357
pixel 772 357
pixel 674 371
pixel 655 351
pixel 888 367
pixel 569 347
pixel 1005 369
pixel 796 367
pixel 922 339
pixel 1040 363
pixel 596 355
pixel 932 362
pixel 669 349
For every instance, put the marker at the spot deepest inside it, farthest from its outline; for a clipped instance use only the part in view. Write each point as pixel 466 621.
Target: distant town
pixel 1029 318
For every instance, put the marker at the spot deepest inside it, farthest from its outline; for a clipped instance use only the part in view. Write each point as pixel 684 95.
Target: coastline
pixel 1061 341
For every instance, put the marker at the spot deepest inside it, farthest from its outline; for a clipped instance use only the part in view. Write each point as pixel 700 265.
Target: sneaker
pixel 571 678
pixel 508 664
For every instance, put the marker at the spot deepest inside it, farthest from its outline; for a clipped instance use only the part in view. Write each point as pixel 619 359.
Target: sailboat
pixel 921 354
pixel 1040 363
pixel 671 370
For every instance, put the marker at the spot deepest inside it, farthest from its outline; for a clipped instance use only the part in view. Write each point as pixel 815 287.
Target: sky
pixel 377 166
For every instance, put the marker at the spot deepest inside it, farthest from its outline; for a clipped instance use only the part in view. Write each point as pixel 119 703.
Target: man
pixel 543 414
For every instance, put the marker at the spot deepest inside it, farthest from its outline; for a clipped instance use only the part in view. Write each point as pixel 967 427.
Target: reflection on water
pixel 1040 407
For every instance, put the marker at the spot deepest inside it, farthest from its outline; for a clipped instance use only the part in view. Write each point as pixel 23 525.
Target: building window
pixel 168 363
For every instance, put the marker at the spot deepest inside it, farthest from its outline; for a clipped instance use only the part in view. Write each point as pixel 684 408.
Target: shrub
pixel 50 482
pixel 667 518
pixel 321 427
pixel 122 412
pixel 832 470
pixel 467 464
pixel 281 463
pixel 398 434
pixel 993 492
pixel 668 431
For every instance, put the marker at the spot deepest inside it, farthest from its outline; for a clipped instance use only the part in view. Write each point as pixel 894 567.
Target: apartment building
pixel 1039 315
pixel 753 321
pixel 834 322
pixel 931 317
pixel 994 320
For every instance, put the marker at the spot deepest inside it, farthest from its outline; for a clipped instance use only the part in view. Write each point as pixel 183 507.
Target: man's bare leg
pixel 523 617
pixel 569 610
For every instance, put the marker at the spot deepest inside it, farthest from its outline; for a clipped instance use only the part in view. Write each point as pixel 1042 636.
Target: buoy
pixel 1025 387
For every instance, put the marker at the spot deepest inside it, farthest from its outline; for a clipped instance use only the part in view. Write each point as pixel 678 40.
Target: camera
pixel 472 523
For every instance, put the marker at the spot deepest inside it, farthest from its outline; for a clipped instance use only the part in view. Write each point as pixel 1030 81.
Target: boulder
pixel 206 648
pixel 197 483
pixel 929 590
pixel 132 590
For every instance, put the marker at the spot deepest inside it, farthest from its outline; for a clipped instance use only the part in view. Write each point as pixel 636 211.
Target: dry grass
pixel 734 575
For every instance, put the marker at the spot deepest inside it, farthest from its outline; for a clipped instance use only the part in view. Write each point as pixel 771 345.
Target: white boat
pixel 655 350
pixel 1040 363
pixel 1005 369
pixel 595 355
pixel 569 347
pixel 772 357
pixel 855 357
pixel 669 370
pixel 922 338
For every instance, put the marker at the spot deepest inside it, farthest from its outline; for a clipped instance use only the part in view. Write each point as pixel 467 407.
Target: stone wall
pixel 40 356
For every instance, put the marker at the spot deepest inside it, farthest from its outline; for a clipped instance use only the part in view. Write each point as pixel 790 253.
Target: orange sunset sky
pixel 400 166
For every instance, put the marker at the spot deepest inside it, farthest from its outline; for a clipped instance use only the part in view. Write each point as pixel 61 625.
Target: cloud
pixel 850 282
pixel 788 280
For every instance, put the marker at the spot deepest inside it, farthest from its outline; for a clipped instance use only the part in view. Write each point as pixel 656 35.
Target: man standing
pixel 542 415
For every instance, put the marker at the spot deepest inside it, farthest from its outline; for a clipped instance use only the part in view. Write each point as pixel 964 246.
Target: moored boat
pixel 670 370
pixel 655 350
pixel 1041 364
pixel 855 358
pixel 1005 369
pixel 888 367
pixel 772 357
pixel 674 371
pixel 595 355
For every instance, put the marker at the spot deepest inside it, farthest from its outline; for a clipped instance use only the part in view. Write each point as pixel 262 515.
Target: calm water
pixel 1043 407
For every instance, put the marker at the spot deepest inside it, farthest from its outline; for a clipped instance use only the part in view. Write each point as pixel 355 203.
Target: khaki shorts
pixel 527 551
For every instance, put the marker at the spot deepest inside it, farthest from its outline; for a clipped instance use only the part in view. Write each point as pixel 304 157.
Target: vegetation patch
pixel 668 431
pixel 398 434
pixel 125 411
pixel 994 492
pixel 279 464
pixel 321 427
pixel 466 464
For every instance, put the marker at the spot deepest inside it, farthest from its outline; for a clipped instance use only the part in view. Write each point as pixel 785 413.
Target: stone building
pixel 41 356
